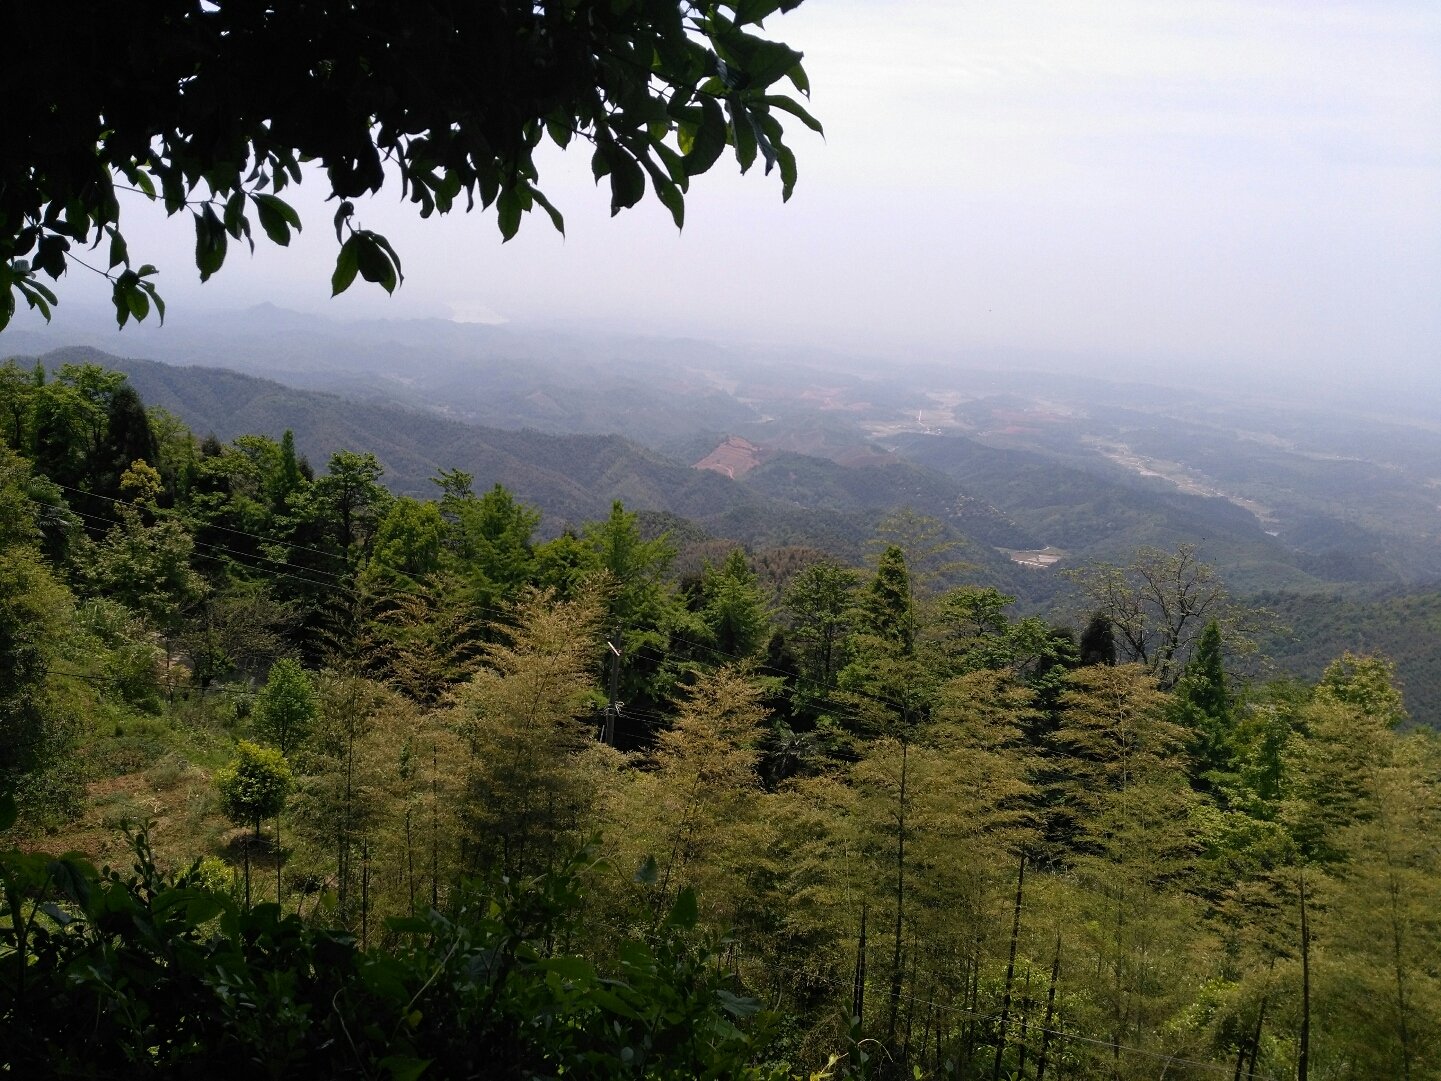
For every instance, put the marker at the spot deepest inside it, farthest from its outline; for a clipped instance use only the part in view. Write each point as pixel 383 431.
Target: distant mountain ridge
pixel 814 457
pixel 572 479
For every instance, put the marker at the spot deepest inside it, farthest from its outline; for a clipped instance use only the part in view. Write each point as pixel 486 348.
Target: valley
pixel 1032 474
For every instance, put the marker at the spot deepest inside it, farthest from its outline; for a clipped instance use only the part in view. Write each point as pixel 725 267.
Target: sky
pixel 1122 185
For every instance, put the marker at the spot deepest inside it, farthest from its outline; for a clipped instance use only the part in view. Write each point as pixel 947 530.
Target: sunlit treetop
pixel 211 107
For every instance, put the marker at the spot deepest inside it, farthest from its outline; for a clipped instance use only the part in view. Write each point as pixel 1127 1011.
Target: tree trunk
pixel 1050 1012
pixel 278 861
pixel 896 972
pixel 858 987
pixel 1303 1053
pixel 1256 1035
pixel 1010 971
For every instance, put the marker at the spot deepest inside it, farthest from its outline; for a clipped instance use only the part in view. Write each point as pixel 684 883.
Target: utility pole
pixel 607 734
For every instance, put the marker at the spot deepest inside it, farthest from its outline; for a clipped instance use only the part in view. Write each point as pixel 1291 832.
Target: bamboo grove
pixel 858 822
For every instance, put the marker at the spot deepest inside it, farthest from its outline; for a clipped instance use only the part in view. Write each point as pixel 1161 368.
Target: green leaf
pixel 73 876
pixel 236 224
pixel 743 132
pixel 119 298
pixel 627 181
pixel 210 242
pixel 375 259
pixel 155 299
pixel 390 254
pixel 753 11
pixel 342 215
pixel 507 212
pixel 559 131
pixel 277 217
pixel 647 874
pixel 668 192
pixel 198 905
pixel 403 1067
pixel 790 105
pixel 346 265
pixel 800 80
pixel 37 296
pixel 137 302
pixel 766 61
pixel 738 1006
pixel 787 162
pixel 709 139
pixel 608 1000
pixel 407 925
pixel 118 251
pixel 684 912
pixel 567 967
pixel 56 913
pixel 545 204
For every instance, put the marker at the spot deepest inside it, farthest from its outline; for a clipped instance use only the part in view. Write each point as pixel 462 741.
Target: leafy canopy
pixel 211 109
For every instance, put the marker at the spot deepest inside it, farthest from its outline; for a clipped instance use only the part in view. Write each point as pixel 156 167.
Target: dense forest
pixel 382 786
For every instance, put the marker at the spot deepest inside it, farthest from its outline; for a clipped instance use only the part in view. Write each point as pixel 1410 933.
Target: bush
pixel 174 979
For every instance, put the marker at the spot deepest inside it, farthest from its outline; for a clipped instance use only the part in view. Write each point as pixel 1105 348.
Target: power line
pixel 208 525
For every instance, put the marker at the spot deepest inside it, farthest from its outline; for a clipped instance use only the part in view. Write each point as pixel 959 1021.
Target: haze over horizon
pixel 1213 186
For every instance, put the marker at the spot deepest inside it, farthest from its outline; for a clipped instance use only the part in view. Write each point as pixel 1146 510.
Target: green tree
pixel 1134 836
pixel 146 567
pixel 1204 708
pixel 254 786
pixel 890 683
pixel 238 630
pixel 1379 983
pixel 1098 641
pixel 525 718
pixel 1369 684
pixel 349 503
pixel 35 629
pixel 18 391
pixel 733 607
pixel 487 539
pixel 342 796
pixel 286 707
pixel 641 602
pixel 692 808
pixel 818 602
pixel 928 546
pixel 940 820
pixel 212 109
pixel 407 546
pixel 886 609
pixel 128 439
pixel 288 478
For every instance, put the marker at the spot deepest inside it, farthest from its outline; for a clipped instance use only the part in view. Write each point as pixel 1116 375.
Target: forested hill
pixel 571 478
pixel 1100 517
pixel 425 793
pixel 1404 626
pixel 989 498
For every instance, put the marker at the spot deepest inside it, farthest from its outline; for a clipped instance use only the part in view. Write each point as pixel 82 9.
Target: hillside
pixel 1402 626
pixel 570 478
pixel 1095 516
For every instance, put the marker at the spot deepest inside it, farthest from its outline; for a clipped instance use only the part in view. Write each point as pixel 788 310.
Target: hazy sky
pixel 1227 182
